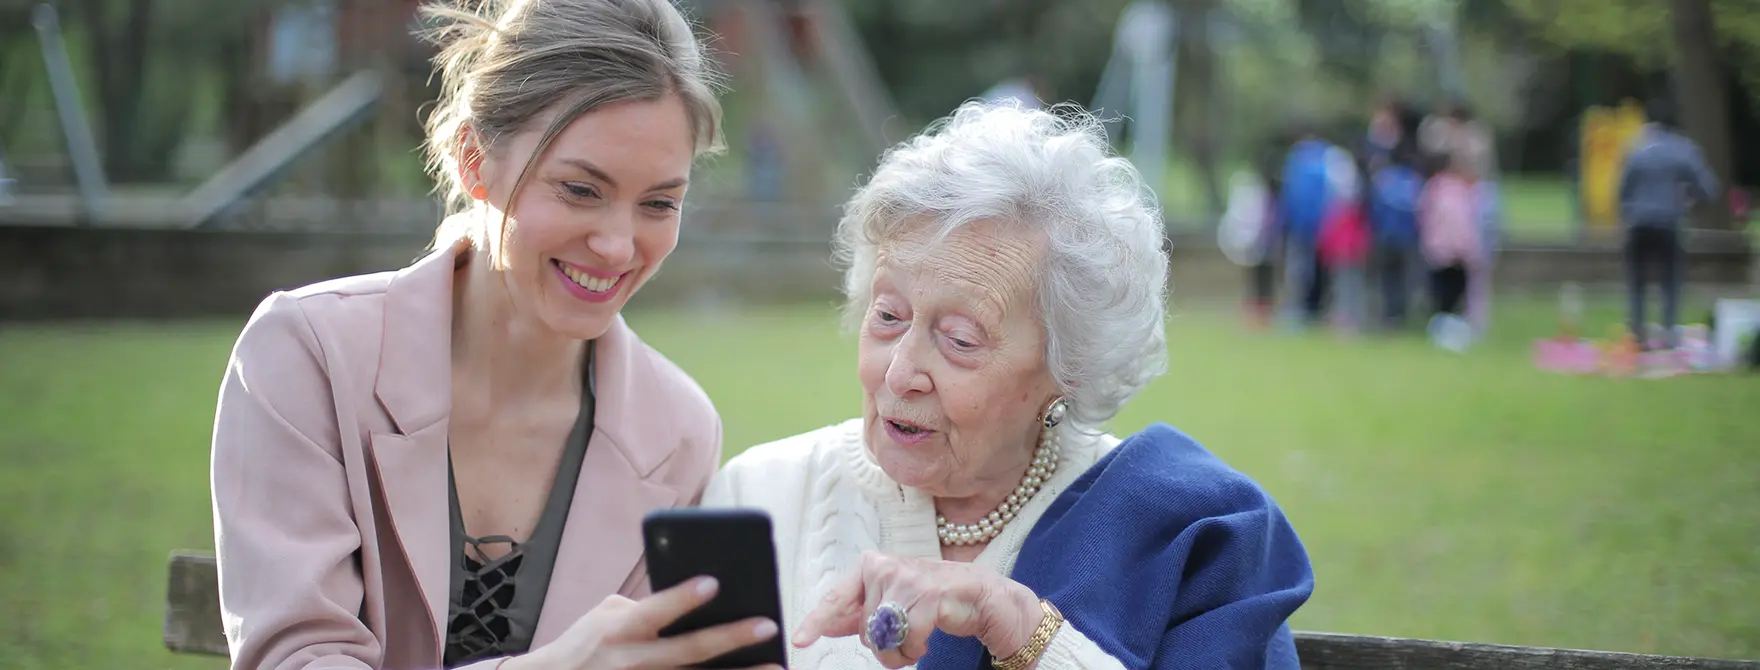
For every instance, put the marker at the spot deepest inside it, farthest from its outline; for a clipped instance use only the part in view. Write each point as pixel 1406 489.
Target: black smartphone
pixel 736 548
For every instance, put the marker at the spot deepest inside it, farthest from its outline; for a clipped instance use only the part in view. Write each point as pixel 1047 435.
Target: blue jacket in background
pixel 1304 196
pixel 1393 206
pixel 1662 169
pixel 1165 557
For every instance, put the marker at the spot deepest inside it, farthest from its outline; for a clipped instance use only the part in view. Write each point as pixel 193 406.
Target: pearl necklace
pixel 1044 464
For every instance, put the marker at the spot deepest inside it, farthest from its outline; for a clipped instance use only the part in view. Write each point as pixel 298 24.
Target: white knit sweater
pixel 829 502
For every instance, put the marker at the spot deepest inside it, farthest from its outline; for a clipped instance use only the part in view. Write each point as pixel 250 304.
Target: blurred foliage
pixel 1064 43
pixel 129 55
pixel 1635 28
pixel 163 80
pixel 1640 28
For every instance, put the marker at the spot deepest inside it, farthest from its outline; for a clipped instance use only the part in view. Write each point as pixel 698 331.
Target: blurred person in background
pixel 1398 262
pixel 1007 276
pixel 1488 214
pixel 1436 132
pixel 401 468
pixel 1665 173
pixel 1449 234
pixel 1301 210
pixel 1268 243
pixel 1248 234
pixel 1344 241
pixel 1474 142
pixel 1386 133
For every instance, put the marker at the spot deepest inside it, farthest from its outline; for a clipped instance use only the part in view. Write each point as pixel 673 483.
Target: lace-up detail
pixel 480 623
pixel 495 603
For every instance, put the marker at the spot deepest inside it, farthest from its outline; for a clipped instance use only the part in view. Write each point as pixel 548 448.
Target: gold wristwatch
pixel 1036 643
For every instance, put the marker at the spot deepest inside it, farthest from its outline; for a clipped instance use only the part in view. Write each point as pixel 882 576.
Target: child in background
pixel 1448 231
pixel 1248 236
pixel 1488 214
pixel 1265 272
pixel 1302 200
pixel 1344 242
pixel 1397 261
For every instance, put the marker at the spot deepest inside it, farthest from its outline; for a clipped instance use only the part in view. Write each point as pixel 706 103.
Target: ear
pixel 469 157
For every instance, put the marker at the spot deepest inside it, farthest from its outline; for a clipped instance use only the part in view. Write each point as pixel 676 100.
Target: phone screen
pixel 734 546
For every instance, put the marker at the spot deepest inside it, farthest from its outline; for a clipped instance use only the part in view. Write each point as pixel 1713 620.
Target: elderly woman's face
pixel 952 360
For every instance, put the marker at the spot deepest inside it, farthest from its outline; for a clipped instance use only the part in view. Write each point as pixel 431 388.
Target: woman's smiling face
pixel 597 215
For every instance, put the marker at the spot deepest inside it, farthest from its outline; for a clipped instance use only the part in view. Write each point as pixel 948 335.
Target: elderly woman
pixel 1006 275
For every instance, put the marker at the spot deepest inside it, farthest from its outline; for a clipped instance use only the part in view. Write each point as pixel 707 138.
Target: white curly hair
pixel 1102 290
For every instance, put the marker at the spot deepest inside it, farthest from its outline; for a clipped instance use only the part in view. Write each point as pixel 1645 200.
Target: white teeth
pixel 589 282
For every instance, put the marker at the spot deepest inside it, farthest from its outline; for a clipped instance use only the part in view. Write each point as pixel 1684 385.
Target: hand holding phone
pixel 733 547
pixel 624 634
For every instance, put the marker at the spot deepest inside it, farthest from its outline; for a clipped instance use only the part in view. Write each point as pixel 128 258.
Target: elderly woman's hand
pixel 960 599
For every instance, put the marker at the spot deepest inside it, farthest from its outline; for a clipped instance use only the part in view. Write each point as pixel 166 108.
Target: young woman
pixel 447 466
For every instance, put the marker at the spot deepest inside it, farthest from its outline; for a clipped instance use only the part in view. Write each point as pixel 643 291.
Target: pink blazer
pixel 329 475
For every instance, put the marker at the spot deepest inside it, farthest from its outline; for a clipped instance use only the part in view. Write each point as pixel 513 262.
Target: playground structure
pixel 799 69
pixel 786 52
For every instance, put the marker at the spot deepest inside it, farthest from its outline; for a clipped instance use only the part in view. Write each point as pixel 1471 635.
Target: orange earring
pixel 479 191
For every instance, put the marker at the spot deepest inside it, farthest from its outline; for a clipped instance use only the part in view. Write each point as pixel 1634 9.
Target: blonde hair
pixel 503 64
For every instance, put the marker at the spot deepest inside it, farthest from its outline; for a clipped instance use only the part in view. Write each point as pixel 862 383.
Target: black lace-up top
pixel 494 603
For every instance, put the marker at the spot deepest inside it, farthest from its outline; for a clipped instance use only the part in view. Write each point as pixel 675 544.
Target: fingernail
pixel 707 586
pixel 764 630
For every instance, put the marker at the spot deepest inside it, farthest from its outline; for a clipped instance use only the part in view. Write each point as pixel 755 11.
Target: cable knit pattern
pixel 831 502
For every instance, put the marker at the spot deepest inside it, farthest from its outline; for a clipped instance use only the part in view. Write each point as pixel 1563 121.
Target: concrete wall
pixel 63 272
pixel 60 272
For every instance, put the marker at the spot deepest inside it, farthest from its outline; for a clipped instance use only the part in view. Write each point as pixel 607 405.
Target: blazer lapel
pixel 601 544
pixel 412 472
pixel 414 385
pixel 601 541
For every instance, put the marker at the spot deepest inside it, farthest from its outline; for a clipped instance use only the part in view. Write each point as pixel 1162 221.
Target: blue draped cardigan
pixel 1165 557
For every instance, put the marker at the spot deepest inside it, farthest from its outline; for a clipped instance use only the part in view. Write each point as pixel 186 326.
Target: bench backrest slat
pixel 1328 651
pixel 192 625
pixel 192 606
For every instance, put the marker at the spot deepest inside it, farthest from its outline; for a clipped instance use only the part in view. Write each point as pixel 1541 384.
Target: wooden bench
pixel 192 625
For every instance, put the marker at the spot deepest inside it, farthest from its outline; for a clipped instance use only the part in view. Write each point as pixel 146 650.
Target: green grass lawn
pixel 1458 497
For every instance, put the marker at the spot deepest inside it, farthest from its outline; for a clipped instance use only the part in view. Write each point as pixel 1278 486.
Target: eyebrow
pixel 603 176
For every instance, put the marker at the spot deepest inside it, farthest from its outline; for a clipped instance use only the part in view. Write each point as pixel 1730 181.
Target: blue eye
pixel 662 205
pixel 580 190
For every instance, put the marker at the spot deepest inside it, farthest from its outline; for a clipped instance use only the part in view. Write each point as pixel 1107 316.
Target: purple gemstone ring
pixel 887 627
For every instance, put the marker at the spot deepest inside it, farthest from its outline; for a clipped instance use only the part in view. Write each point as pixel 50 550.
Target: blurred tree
pixel 1063 43
pixel 1200 114
pixel 1349 34
pixel 153 66
pixel 18 61
pixel 1702 93
pixel 116 39
pixel 1701 39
